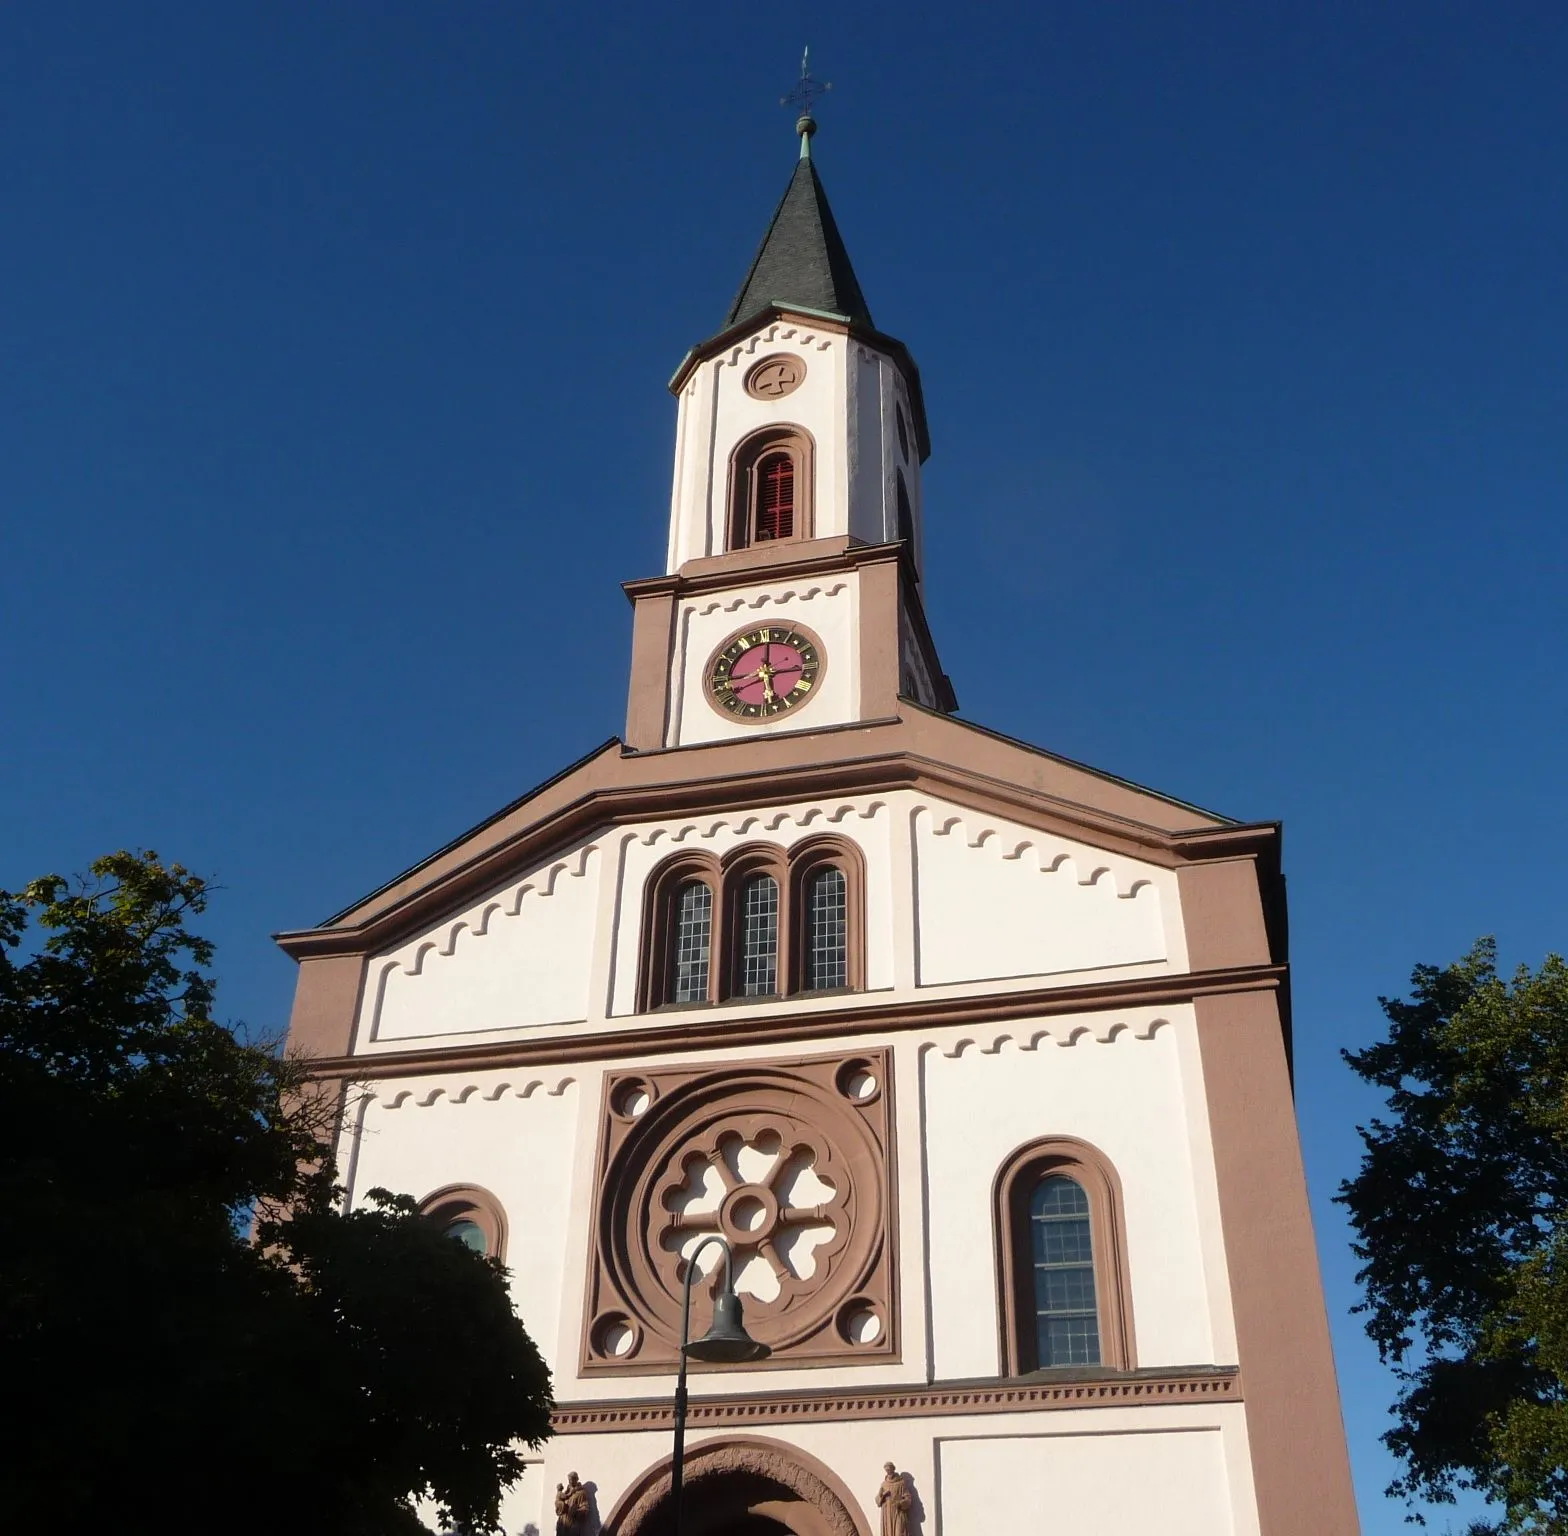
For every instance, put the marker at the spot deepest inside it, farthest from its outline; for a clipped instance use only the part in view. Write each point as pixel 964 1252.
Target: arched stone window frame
pixel 1015 1182
pixel 726 879
pixel 805 859
pixel 737 868
pixel 657 978
pixel 453 1203
pixel 783 437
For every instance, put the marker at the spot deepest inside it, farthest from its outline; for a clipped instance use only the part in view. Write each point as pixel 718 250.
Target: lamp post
pixel 726 1342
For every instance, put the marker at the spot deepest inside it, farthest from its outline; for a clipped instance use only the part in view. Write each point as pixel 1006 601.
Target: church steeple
pixel 791 593
pixel 802 262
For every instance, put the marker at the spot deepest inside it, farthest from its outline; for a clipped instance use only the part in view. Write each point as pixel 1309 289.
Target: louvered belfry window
pixel 775 497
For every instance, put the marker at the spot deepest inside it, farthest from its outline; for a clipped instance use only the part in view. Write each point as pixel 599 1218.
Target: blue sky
pixel 332 415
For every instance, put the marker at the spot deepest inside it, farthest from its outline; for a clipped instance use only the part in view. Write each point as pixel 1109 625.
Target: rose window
pixel 788 1163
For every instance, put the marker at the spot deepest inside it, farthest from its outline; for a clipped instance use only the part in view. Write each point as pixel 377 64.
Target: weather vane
pixel 807 90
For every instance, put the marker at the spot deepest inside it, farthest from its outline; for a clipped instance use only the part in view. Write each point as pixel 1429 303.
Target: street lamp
pixel 725 1343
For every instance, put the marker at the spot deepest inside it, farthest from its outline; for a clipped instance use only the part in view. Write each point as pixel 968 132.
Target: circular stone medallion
pixel 775 377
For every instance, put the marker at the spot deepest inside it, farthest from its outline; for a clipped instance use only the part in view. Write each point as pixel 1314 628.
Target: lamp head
pixel 726 1342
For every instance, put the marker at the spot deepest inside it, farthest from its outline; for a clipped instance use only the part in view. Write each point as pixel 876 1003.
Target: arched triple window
pixel 469 1215
pixel 1061 1264
pixel 770 488
pixel 763 922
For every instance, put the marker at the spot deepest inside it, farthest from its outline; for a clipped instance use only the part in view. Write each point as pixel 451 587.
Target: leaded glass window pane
pixel 759 937
pixel 693 938
pixel 1067 1323
pixel 827 930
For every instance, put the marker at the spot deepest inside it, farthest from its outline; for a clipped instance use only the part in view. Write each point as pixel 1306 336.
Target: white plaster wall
pixel 866 821
pixel 1089 1484
pixel 516 959
pixel 511 1133
pixel 829 606
pixel 868 513
pixel 997 899
pixel 1115 1080
pixel 845 403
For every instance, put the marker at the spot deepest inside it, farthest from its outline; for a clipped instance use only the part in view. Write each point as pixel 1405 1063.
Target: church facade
pixel 977 1059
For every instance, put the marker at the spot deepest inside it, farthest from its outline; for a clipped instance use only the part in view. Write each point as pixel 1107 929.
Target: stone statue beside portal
pixel 571 1507
pixel 895 1499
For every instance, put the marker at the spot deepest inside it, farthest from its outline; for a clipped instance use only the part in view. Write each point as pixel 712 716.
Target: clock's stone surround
pixel 826 607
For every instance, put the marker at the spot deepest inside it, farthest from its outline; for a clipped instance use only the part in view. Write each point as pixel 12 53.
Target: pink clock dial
pixel 765 671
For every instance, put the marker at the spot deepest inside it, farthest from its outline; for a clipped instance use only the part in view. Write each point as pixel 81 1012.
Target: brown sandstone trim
pixel 941 1399
pixel 725 1025
pixel 1300 1464
pixel 648 696
pixel 791 560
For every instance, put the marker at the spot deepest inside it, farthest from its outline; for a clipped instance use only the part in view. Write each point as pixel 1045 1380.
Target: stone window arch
pixel 828 946
pixel 681 916
pixel 1061 1255
pixel 771 487
pixel 756 922
pixel 471 1215
pixel 765 922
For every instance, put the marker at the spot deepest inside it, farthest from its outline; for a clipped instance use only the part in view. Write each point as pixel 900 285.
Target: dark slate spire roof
pixel 802 260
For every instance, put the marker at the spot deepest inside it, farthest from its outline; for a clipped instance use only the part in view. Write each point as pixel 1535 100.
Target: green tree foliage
pixel 164 1367
pixel 1461 1214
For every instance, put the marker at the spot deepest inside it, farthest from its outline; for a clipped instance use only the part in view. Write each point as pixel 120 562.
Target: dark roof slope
pixel 802 260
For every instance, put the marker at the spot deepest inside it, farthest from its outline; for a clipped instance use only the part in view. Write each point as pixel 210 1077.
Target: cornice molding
pixel 723 1026
pixel 721 573
pixel 1136 1389
pixel 643 799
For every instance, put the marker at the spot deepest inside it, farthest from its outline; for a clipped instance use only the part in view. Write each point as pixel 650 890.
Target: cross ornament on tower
pixel 807 90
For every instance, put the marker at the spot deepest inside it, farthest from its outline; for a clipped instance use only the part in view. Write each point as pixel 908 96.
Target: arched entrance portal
pixel 741 1486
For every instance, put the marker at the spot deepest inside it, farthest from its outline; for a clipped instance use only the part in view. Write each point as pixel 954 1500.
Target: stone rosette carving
pixel 788 1161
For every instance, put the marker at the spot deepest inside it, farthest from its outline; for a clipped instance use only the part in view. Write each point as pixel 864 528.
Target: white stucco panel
pixel 1117 1081
pixel 827 607
pixel 512 1134
pixel 997 899
pixel 519 957
pixel 1090 1485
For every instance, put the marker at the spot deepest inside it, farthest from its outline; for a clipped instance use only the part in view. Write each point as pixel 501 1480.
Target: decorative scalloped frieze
pixel 490 1094
pixel 769 822
pixel 476 921
pixel 769 335
pixel 1064 1032
pixel 1051 856
pixel 778 599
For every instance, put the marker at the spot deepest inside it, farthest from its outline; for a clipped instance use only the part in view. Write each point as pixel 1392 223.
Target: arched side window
pixel 766 922
pixel 680 930
pixel 770 488
pixel 1061 1246
pixel 827 898
pixel 471 1216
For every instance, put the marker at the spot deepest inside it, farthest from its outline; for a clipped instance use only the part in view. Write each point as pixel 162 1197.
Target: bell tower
pixel 791 594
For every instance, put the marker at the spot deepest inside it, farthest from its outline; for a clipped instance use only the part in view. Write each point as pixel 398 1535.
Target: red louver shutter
pixel 775 497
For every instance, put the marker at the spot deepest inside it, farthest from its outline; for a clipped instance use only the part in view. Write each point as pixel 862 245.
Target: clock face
pixel 764 672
